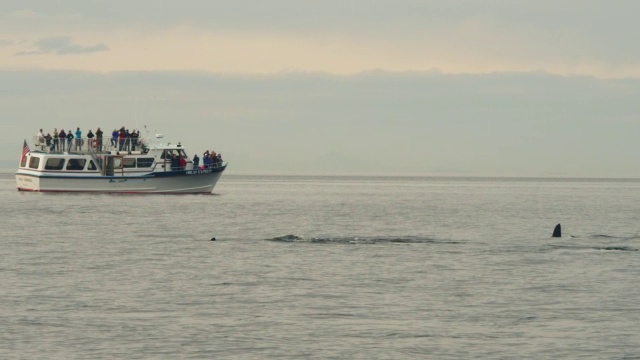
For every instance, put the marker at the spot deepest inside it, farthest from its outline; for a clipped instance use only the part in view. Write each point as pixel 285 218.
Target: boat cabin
pixel 108 162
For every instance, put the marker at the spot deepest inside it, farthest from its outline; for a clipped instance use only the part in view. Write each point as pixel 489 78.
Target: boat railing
pixel 87 145
pixel 163 166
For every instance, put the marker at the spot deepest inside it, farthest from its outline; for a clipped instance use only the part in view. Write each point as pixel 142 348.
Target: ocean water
pixel 325 268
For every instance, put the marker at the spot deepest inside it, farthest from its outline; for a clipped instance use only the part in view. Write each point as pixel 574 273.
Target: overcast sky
pixel 485 87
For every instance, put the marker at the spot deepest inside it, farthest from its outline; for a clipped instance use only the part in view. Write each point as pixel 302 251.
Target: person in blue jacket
pixel 114 138
pixel 79 139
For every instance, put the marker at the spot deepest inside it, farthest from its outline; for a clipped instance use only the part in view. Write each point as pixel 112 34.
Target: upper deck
pixel 93 145
pixel 108 157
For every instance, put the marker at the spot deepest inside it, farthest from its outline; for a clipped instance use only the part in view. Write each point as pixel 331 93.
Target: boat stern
pixel 27 182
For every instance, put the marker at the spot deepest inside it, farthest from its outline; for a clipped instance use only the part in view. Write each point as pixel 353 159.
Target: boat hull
pixel 200 181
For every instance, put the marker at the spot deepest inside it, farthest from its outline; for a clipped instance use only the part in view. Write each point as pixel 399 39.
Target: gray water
pixel 325 268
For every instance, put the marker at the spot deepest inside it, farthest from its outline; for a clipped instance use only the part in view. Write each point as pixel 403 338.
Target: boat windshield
pixel 168 154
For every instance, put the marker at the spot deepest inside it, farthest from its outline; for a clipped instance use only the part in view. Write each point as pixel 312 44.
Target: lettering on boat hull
pixel 201 171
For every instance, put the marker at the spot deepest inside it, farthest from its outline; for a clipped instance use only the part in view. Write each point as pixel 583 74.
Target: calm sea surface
pixel 325 268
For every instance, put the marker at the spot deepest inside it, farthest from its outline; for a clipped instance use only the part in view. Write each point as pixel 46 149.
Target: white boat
pixel 104 167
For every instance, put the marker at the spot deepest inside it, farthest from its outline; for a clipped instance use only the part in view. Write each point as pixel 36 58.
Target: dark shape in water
pixel 213 239
pixel 557 231
pixel 361 240
pixel 618 248
pixel 288 238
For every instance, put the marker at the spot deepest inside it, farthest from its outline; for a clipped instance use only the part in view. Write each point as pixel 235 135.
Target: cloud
pixel 61 45
pixel 5 42
pixel 248 36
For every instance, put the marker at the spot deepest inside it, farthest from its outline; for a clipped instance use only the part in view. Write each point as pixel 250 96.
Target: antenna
pixel 136 111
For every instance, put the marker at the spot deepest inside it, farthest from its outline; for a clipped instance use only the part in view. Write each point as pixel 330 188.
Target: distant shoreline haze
pixel 417 123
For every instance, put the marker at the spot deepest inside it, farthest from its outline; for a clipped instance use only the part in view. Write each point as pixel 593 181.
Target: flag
pixel 25 151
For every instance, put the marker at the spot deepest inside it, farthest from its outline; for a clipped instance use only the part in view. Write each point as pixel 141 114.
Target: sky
pixel 405 87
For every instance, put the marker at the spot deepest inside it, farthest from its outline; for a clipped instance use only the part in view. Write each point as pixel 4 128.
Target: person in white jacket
pixel 40 140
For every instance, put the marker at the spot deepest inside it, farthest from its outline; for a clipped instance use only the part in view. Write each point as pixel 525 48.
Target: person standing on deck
pixel 55 139
pixel 90 136
pixel 62 136
pixel 40 141
pixel 122 136
pixel 206 159
pixel 69 140
pixel 114 138
pixel 79 139
pixel 99 139
pixel 127 144
pixel 134 139
pixel 175 162
pixel 196 161
pixel 48 138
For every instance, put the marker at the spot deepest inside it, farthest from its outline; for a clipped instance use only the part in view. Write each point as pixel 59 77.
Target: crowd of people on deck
pixel 60 141
pixel 210 159
pixel 125 140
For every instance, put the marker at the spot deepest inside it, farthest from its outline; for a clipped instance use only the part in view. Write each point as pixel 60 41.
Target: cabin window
pixel 76 164
pixel 182 154
pixel 54 164
pixel 167 154
pixel 91 165
pixel 128 162
pixel 145 162
pixel 34 162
